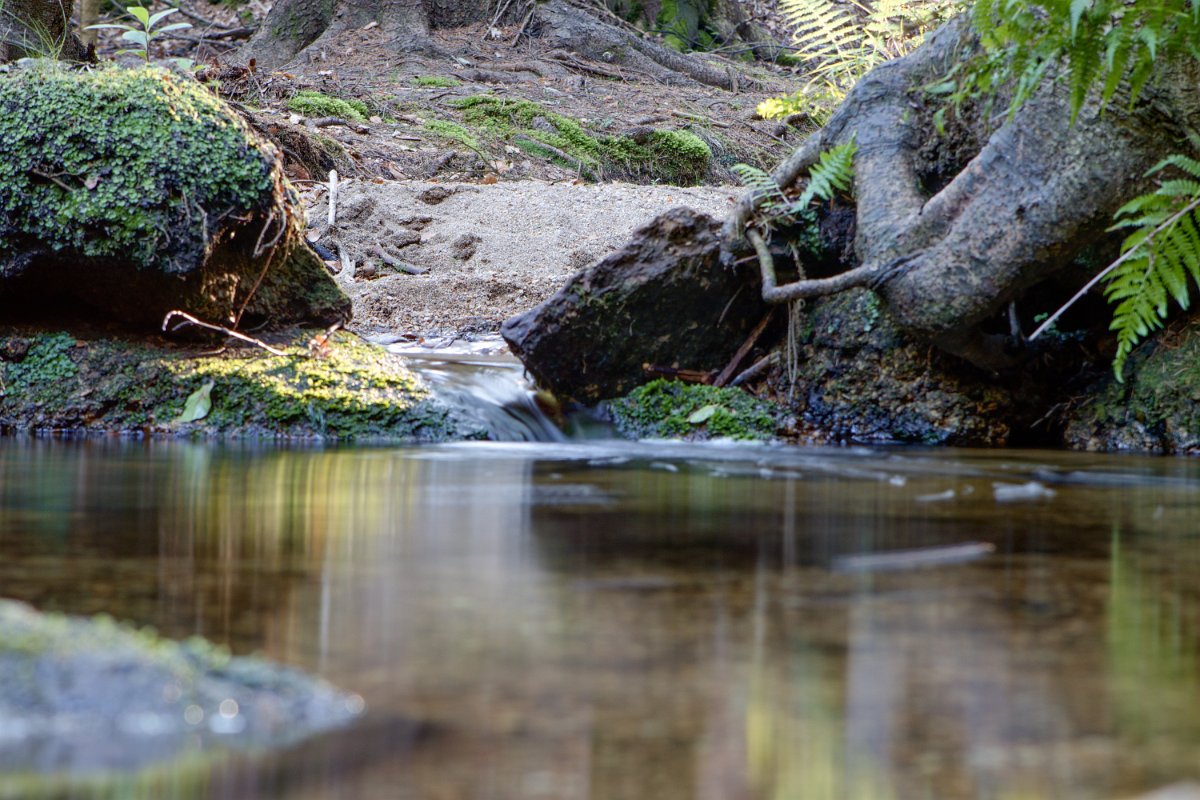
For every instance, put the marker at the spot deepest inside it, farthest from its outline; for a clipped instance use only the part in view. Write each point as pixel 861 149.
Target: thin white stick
pixel 227 331
pixel 333 197
pixel 1087 287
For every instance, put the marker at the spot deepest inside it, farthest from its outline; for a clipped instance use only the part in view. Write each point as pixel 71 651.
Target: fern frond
pixel 833 173
pixel 761 183
pixel 1156 261
pixel 1189 165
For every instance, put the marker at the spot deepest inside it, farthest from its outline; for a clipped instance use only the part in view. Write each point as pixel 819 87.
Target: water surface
pixel 608 620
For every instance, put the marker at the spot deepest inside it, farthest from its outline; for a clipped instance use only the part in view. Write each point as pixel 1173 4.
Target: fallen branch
pixel 569 160
pixel 396 263
pixel 723 378
pixel 189 319
pixel 571 61
pixel 685 375
pixel 755 369
pixel 328 122
pixel 698 119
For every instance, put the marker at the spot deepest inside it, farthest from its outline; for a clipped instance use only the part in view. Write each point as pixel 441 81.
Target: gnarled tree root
pixel 1038 190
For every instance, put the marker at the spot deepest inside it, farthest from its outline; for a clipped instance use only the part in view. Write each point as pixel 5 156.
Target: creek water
pixel 608 620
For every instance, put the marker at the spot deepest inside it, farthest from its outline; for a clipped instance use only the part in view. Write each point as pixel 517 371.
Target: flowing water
pixel 650 621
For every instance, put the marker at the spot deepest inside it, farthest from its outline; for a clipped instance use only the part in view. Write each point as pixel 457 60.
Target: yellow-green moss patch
pixel 345 390
pixel 671 409
pixel 679 157
pixel 316 104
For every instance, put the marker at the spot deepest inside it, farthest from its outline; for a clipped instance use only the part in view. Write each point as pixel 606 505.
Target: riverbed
pixel 609 620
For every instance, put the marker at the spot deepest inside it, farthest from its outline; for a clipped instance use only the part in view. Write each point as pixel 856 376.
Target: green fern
pixel 831 37
pixel 1105 45
pixel 833 173
pixel 761 183
pixel 1157 258
pixel 846 41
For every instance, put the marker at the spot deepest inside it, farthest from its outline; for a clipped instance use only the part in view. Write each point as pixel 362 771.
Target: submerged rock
pixel 81 696
pixel 341 388
pixel 663 299
pixel 138 191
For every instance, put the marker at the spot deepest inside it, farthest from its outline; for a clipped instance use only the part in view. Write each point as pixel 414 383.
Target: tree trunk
pixel 39 28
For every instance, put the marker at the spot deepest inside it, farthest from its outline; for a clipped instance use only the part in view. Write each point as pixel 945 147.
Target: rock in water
pixel 138 191
pixel 81 696
pixel 663 299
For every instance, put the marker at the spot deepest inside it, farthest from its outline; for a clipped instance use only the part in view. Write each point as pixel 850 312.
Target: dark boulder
pixel 662 300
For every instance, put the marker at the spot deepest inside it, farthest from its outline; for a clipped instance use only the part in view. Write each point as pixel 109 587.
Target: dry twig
pixel 189 319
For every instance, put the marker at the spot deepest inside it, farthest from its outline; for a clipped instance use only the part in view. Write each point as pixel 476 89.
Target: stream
pixel 610 620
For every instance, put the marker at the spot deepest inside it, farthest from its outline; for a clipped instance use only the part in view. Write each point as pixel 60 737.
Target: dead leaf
pixel 489 179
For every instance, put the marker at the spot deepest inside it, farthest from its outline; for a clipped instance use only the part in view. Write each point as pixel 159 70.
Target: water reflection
pixel 618 621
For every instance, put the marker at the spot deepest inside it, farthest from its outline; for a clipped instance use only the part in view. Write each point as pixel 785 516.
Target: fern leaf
pixel 1182 187
pixel 833 172
pixel 1157 259
pixel 1189 165
pixel 760 182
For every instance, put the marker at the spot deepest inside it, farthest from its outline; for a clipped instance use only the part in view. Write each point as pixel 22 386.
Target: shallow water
pixel 607 620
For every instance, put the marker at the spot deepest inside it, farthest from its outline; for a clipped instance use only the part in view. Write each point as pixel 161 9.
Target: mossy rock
pixel 665 409
pixel 1157 407
pixel 138 191
pixel 340 389
pixel 89 696
pixel 858 378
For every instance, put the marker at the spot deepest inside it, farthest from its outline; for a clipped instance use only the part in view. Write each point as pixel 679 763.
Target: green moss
pixel 454 132
pixel 435 82
pixel 315 104
pixel 672 156
pixel 119 162
pixel 356 391
pixel 1156 409
pixel 678 156
pixel 665 408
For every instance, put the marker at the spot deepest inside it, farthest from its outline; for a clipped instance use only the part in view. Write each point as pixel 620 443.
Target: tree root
pixel 1034 193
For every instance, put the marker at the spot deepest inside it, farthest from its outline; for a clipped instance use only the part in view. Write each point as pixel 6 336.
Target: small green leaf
pixel 703 414
pixel 198 404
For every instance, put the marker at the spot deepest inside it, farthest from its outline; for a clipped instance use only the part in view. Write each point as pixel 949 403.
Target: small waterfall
pixel 484 380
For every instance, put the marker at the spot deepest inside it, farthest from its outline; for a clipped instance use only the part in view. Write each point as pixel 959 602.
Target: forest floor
pixel 514 220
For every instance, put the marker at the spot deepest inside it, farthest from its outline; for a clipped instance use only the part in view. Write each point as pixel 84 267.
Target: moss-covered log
pixel 138 191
